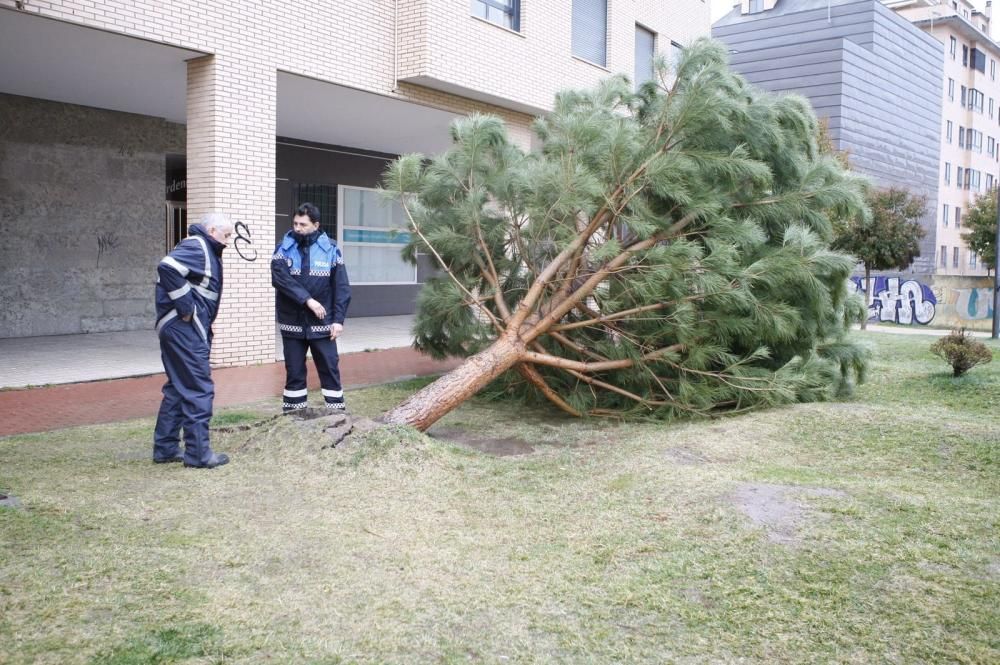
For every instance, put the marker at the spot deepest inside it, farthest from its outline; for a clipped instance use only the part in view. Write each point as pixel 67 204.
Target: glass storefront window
pixel 372 234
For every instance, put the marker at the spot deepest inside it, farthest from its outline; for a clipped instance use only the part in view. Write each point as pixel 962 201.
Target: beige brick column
pixel 231 124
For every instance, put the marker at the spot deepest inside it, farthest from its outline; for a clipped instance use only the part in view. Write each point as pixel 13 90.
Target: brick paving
pixel 55 407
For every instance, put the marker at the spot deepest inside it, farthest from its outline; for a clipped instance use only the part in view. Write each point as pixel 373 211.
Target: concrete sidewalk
pixel 44 361
pixel 917 330
pixel 89 403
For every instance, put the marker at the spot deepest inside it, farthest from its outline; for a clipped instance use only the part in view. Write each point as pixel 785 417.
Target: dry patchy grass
pixel 610 542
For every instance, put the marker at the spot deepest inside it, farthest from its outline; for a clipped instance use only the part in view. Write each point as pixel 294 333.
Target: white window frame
pixel 343 245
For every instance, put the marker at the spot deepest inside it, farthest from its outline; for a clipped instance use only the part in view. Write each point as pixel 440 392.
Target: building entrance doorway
pixel 176 225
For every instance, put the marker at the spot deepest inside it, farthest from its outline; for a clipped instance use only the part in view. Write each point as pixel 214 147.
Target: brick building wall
pixel 377 46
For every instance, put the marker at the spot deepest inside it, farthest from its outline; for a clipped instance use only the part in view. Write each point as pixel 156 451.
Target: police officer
pixel 313 293
pixel 188 291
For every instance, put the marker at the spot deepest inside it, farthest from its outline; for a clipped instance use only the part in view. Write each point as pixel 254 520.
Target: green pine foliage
pixel 684 230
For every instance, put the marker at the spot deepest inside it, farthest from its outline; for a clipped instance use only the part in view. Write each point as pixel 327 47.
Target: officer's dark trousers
pixel 324 353
pixel 187 395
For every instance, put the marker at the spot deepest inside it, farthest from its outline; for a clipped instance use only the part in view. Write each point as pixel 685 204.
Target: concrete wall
pixel 937 301
pixel 81 216
pixel 876 77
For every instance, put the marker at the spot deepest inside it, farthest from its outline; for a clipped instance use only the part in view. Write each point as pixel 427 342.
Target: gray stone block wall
pixel 81 216
pixel 873 75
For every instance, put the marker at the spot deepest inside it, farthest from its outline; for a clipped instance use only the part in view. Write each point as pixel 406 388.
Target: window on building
pixel 958 177
pixel 951 90
pixel 953 47
pixel 958 216
pixel 676 50
pixel 993 69
pixel 645 49
pixel 972 259
pixel 944 256
pixel 991 146
pixel 502 12
pixel 948 130
pixel 975 100
pixel 590 30
pixel 975 181
pixel 963 96
pixel 372 235
pixel 961 138
pixel 977 60
pixel 965 55
pixel 989 181
pixel 756 6
pixel 991 108
pixel 977 141
pixel 945 213
pixel 947 173
pixel 954 257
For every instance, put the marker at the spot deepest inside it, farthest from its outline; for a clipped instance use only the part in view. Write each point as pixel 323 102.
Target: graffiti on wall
pixel 243 243
pixel 974 304
pixel 898 301
pixel 105 243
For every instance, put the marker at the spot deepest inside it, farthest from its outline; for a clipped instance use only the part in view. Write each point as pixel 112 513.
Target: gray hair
pixel 216 220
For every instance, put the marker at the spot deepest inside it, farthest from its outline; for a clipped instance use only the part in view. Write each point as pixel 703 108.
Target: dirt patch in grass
pixel 777 509
pixel 498 447
pixel 686 456
pixel 9 501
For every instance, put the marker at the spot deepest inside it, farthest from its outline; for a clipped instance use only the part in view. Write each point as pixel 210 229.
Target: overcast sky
pixel 720 7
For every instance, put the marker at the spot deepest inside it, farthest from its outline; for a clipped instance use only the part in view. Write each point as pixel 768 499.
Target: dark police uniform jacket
pixel 319 273
pixel 189 281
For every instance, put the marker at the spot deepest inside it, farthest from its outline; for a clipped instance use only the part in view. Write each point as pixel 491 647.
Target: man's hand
pixel 335 330
pixel 318 310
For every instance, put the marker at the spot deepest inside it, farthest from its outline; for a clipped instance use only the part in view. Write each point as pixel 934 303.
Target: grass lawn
pixel 864 532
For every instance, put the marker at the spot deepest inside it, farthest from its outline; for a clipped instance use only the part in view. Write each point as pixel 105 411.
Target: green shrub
pixel 962 351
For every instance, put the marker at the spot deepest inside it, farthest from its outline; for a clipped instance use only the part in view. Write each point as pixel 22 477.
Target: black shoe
pixel 217 460
pixel 168 460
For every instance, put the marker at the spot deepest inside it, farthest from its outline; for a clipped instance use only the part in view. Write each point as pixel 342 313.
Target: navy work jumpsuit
pixel 305 267
pixel 189 281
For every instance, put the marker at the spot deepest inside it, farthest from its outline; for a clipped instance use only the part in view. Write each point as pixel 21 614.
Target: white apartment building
pixel 970 119
pixel 122 119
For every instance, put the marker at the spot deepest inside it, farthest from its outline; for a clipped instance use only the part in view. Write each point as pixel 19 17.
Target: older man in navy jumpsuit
pixel 313 293
pixel 188 291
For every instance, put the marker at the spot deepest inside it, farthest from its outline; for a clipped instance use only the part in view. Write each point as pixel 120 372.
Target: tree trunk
pixel 868 296
pixel 425 407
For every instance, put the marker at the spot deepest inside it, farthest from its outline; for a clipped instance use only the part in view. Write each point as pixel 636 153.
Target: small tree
pixel 981 220
pixel 961 351
pixel 889 238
